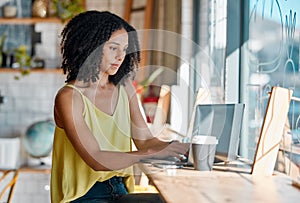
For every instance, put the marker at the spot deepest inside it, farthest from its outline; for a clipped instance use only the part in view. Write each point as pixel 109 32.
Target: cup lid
pixel 201 139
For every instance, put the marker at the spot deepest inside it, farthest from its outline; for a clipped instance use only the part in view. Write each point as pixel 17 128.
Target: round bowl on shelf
pixel 9 11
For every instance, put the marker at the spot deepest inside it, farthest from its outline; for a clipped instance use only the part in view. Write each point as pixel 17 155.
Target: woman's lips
pixel 115 65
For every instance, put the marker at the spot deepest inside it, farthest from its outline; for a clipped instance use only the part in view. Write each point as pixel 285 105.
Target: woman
pixel 97 114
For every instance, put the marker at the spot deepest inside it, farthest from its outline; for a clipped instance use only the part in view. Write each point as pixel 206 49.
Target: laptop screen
pixel 224 122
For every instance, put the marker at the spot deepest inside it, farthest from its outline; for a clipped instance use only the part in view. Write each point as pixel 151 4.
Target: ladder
pixel 148 9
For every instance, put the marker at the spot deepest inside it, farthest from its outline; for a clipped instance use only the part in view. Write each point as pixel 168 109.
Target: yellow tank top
pixel 71 177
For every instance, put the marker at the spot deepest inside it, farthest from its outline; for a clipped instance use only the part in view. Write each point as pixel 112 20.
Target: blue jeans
pixel 113 190
pixel 104 192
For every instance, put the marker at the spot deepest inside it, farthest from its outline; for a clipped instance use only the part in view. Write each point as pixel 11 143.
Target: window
pixel 270 57
pixel 252 46
pixel 209 54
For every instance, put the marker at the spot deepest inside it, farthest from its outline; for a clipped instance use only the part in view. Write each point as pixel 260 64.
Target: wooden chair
pixel 271 131
pixel 10 187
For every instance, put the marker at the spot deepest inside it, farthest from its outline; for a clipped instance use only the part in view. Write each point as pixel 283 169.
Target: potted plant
pixel 143 86
pixel 146 93
pixel 66 9
pixel 23 60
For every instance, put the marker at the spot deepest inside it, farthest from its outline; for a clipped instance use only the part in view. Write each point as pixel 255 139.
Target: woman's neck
pixel 102 82
pixel 103 79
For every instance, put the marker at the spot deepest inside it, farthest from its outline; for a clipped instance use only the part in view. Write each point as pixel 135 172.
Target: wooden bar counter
pixel 222 184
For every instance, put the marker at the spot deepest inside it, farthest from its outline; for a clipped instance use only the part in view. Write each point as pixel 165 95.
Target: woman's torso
pixel 110 125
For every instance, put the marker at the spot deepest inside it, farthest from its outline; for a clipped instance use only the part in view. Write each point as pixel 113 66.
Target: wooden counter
pixel 217 186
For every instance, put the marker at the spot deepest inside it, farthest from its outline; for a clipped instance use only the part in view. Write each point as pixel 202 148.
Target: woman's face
pixel 114 52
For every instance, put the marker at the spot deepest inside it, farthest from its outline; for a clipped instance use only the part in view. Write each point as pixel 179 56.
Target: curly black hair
pixel 82 42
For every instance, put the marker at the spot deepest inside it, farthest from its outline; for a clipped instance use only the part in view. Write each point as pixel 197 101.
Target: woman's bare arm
pixel 141 133
pixel 69 116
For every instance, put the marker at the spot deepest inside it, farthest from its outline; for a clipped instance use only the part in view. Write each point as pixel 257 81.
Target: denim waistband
pixel 116 179
pixel 111 189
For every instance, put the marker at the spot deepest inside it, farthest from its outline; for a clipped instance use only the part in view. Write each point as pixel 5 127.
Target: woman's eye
pixel 113 48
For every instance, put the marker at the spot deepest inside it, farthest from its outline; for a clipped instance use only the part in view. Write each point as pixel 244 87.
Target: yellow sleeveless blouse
pixel 71 177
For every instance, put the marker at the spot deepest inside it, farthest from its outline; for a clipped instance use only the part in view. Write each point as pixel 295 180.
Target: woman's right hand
pixel 173 149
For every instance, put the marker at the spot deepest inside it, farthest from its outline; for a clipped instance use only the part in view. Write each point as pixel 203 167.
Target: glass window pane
pixel 209 57
pixel 270 58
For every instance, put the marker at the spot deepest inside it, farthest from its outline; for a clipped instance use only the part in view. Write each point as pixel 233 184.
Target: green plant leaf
pixel 152 77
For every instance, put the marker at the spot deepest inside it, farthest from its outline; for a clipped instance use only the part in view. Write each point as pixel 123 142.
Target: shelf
pixel 29 21
pixel 45 70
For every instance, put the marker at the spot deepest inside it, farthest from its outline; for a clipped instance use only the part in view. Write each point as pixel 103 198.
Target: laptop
pixel 223 121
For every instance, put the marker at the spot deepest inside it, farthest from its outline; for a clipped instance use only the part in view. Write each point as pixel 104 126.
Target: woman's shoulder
pixel 63 91
pixel 66 92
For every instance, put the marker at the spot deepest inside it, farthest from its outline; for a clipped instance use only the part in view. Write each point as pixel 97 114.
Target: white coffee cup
pixel 204 149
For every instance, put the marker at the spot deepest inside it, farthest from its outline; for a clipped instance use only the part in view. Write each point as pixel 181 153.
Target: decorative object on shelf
pixel 22 57
pixel 9 10
pixel 40 8
pixel 37 62
pixel 38 138
pixel 23 61
pixel 66 9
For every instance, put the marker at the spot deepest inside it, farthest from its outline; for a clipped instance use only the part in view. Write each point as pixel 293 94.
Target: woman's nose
pixel 120 55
